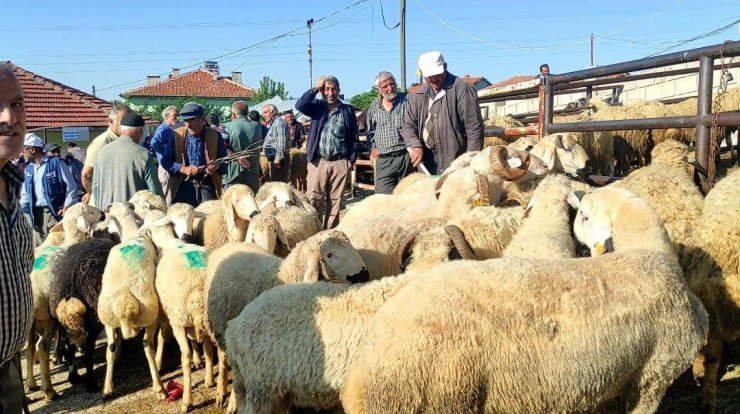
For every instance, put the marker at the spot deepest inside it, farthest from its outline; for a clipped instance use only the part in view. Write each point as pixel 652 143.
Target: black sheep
pixel 74 299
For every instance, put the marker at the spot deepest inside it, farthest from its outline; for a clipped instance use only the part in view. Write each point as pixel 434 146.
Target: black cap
pixel 191 110
pixel 132 120
pixel 51 147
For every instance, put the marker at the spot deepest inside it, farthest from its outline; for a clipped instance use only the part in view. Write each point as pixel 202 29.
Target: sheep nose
pixel 289 203
pixel 254 213
pixel 361 277
pixel 187 238
pixel 585 171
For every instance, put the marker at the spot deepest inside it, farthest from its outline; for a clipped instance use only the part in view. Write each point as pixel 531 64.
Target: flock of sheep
pixel 505 285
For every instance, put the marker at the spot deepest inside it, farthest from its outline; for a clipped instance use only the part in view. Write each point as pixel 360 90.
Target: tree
pixel 155 111
pixel 363 100
pixel 270 88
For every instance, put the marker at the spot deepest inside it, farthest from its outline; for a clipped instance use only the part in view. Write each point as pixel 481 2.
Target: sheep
pixel 231 221
pixel 719 270
pixel 145 200
pixel 265 231
pixel 128 302
pixel 414 183
pixel 277 194
pixel 545 232
pixel 298 168
pixel 675 154
pixel 203 210
pixel 74 298
pixel 599 145
pixel 121 220
pixel 181 273
pixel 77 222
pixel 528 335
pixel 325 256
pixel 488 230
pixel 182 217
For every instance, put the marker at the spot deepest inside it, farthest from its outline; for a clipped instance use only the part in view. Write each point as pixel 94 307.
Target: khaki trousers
pixel 325 185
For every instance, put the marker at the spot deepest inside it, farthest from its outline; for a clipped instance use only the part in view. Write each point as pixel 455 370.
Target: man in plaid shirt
pixel 384 120
pixel 277 144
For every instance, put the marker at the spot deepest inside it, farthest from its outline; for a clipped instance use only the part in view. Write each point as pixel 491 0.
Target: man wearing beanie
pixel 124 167
pixel 443 119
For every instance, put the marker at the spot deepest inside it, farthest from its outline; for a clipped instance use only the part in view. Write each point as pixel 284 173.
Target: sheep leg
pixel 110 358
pixel 163 329
pixel 185 357
pixel 31 384
pixel 221 381
pixel 197 362
pixel 44 353
pixel 208 354
pixel 712 356
pixel 90 383
pixel 58 357
pixel 157 386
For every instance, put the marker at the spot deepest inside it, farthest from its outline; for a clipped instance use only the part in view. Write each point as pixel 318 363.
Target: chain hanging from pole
pixel 715 129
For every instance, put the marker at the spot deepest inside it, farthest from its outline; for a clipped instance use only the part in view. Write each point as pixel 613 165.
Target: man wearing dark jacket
pixel 331 147
pixel 443 119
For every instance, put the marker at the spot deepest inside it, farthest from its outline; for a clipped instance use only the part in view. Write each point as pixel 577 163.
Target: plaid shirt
pixel 277 141
pixel 384 127
pixel 195 148
pixel 16 257
pixel 332 135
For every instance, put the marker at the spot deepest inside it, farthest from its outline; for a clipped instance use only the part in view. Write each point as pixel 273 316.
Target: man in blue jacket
pixel 49 187
pixel 331 149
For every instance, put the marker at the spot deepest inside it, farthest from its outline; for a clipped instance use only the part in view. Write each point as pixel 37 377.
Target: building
pixel 478 82
pixel 204 83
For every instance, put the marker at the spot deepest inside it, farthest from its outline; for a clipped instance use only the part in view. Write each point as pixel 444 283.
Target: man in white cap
pixel 443 119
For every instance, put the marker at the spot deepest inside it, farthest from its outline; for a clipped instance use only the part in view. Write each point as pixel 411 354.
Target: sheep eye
pixel 330 255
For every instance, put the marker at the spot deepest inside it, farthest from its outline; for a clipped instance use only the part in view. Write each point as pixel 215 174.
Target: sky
pixel 115 45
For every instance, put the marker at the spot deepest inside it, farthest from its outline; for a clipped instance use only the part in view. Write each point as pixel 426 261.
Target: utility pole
pixel 309 23
pixel 403 45
pixel 93 90
pixel 592 50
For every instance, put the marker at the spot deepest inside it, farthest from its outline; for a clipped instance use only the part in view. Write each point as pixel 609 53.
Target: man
pixel 243 134
pixel 164 135
pixel 277 144
pixel 384 121
pixel 331 149
pixel 297 132
pixel 255 116
pixel 76 152
pixel 188 158
pixel 16 244
pixel 49 187
pixel 75 167
pixel 443 119
pixel 125 167
pixel 544 70
pixel 114 122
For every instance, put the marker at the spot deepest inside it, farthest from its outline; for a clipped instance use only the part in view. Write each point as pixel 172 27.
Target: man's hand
pixel 211 169
pixel 277 163
pixel 244 162
pixel 61 211
pixel 416 155
pixel 320 84
pixel 86 198
pixel 374 153
pixel 189 170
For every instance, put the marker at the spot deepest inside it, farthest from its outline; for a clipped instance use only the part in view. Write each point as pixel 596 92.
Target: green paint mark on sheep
pixel 133 253
pixel 196 259
pixel 40 262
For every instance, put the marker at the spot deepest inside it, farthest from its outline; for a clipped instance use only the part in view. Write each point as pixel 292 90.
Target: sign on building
pixel 73 134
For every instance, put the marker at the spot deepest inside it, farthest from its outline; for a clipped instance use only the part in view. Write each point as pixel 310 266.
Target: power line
pixel 383 15
pixel 702 36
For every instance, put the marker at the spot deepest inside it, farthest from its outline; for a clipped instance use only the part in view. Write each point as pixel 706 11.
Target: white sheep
pixel 77 223
pixel 528 335
pixel 145 200
pixel 298 218
pixel 121 220
pixel 239 272
pixel 230 223
pixel 265 231
pixel 203 210
pixel 128 302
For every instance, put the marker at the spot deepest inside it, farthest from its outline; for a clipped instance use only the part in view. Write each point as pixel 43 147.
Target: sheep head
pixel 279 195
pixel 70 312
pixel 145 200
pixel 331 257
pixel 461 190
pixel 507 167
pixel 562 153
pixel 427 248
pixel 182 215
pixel 239 206
pixel 265 231
pixel 79 221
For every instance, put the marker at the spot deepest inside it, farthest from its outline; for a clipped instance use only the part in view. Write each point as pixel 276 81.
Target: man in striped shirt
pixel 277 144
pixel 384 121
pixel 16 244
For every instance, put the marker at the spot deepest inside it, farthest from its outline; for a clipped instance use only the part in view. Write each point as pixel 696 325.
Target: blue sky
pixel 104 43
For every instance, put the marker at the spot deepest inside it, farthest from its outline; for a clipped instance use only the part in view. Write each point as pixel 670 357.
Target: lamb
pixel 74 298
pixel 128 302
pixel 181 274
pixel 266 232
pixel 230 223
pixel 581 331
pixel 277 194
pixel 145 200
pixel 298 168
pixel 327 256
pixel 121 220
pixel 77 222
pixel 182 217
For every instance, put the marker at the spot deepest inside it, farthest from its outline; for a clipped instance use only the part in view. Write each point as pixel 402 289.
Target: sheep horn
pixel 514 197
pixel 458 240
pixel 501 168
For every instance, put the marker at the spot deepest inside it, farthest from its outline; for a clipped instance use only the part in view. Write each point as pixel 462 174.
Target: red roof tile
pixel 198 83
pixel 473 79
pixel 51 104
pixel 512 80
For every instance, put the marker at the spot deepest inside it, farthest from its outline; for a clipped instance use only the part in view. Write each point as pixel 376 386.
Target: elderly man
pixel 189 159
pixel 16 244
pixel 297 132
pixel 277 144
pixel 114 124
pixel 544 70
pixel 443 119
pixel 384 121
pixel 162 136
pixel 244 134
pixel 49 188
pixel 124 166
pixel 331 149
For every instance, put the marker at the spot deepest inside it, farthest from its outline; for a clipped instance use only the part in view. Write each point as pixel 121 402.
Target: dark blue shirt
pixel 162 136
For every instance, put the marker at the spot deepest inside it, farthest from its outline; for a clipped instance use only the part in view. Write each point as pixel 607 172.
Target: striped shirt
pixel 331 140
pixel 277 140
pixel 384 127
pixel 16 257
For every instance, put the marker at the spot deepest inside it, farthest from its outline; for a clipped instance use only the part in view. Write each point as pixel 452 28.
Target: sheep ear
pixel 57 227
pixel 229 212
pixel 439 183
pixel 266 203
pixel 133 207
pixel 574 198
pixel 313 271
pixel 199 214
pixel 282 238
pixel 82 224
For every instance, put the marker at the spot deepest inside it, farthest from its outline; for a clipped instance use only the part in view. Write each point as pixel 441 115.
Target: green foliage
pixel 270 88
pixel 155 111
pixel 363 100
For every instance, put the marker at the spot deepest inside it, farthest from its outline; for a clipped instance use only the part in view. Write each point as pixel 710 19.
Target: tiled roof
pixel 511 81
pixel 51 104
pixel 198 83
pixel 473 79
